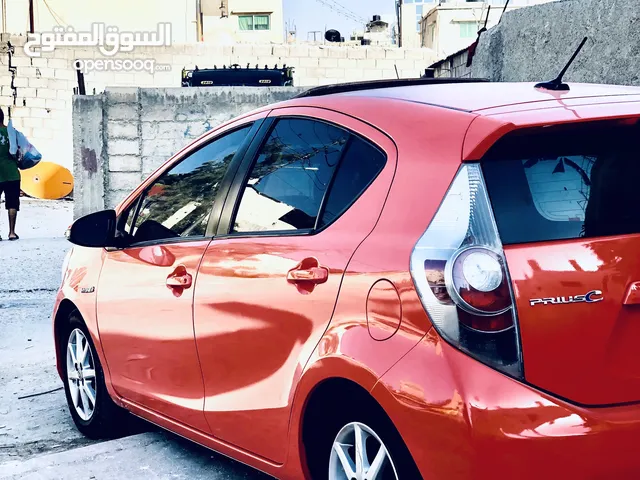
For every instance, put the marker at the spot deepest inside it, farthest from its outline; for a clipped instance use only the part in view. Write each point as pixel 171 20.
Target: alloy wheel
pixel 81 374
pixel 358 453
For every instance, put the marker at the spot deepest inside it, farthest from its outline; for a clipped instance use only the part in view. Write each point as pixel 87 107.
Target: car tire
pixel 93 411
pixel 378 432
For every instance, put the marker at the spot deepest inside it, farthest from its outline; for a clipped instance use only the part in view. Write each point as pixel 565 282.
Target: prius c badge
pixel 590 297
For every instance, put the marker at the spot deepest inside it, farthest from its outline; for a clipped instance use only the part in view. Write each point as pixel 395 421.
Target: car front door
pixel 268 283
pixel 145 294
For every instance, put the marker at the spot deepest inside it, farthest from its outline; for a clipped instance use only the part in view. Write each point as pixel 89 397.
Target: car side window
pixel 290 177
pixel 360 165
pixel 179 203
pixel 306 175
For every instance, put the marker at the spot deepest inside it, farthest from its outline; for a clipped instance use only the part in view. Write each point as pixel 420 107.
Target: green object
pixel 8 166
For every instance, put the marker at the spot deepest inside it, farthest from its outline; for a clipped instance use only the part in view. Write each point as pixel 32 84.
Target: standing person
pixel 9 179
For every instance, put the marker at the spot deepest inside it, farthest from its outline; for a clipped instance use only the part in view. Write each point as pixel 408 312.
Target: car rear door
pixel 565 200
pixel 145 294
pixel 309 193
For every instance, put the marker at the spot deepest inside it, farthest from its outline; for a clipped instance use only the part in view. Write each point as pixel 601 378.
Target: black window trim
pixel 234 197
pixel 223 191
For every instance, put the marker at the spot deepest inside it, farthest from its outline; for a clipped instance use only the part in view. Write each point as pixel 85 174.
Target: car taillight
pixel 460 274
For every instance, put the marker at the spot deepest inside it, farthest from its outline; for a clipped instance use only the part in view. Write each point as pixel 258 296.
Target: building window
pixel 468 29
pixel 254 22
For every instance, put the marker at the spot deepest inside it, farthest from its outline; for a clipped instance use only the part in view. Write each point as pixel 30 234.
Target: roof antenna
pixel 397 74
pixel 557 84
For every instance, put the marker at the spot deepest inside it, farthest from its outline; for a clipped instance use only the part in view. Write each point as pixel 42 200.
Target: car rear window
pixel 565 182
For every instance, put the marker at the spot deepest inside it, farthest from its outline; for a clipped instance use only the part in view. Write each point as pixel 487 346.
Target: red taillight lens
pixel 478 282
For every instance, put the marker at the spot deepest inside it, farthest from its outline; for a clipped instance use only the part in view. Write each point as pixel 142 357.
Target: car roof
pixel 482 96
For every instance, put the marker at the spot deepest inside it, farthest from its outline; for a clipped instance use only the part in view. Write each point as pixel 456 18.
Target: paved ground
pixel 37 437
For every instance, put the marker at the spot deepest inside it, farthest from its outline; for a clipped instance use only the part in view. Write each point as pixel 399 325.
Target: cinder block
pixel 316 72
pixel 372 74
pixel 57 84
pixel 20 112
pixel 6 101
pixel 368 63
pixel 388 64
pixel 40 113
pixel 124 181
pixel 328 62
pixel 303 51
pixel 314 51
pixel 125 163
pixel 241 50
pixel 58 63
pixel 27 71
pixel 262 50
pixel 122 111
pixel 394 53
pixel 337 52
pixel 159 147
pixel 65 74
pixel 309 62
pixel 414 54
pixel 281 51
pixel 335 72
pixel 347 63
pixel 120 146
pixel 45 72
pixel 55 104
pixel 20 61
pixel 374 53
pixel 357 53
pixel 118 129
pixel 307 82
pixel 353 74
pixel 404 64
pixel 25 92
pixel 36 102
pixel 32 122
pixel 39 62
pixel 44 93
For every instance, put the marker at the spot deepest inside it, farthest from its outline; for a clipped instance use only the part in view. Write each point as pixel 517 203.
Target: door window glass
pixel 179 203
pixel 360 165
pixel 290 177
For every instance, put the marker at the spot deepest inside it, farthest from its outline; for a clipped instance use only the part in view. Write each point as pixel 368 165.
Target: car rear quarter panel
pixel 429 142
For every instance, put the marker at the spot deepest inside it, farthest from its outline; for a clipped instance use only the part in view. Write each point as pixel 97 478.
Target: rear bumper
pixel 461 420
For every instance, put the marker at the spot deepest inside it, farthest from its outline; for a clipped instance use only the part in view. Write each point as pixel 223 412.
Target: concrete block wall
pixel 45 85
pixel 534 43
pixel 125 134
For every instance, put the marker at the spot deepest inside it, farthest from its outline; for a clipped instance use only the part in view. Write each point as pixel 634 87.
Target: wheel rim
pixel 358 453
pixel 81 374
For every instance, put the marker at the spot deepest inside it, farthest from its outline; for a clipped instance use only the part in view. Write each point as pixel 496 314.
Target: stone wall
pixel 534 43
pixel 124 134
pixel 44 86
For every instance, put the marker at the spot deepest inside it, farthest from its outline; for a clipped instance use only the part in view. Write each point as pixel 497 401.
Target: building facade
pixel 451 26
pixel 243 21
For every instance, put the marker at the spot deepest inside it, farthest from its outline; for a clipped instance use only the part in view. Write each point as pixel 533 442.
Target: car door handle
pixel 316 275
pixel 632 297
pixel 180 278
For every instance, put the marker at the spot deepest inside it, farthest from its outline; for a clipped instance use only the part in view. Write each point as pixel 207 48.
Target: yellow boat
pixel 47 180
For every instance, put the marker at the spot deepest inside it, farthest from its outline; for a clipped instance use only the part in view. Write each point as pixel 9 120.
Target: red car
pixel 403 279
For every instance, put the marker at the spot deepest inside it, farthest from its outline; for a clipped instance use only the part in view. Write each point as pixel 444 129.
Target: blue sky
pixel 310 15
